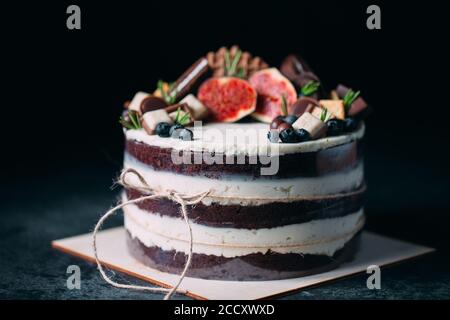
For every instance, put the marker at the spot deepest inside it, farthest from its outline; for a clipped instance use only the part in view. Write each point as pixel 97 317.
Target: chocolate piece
pixel 311 124
pixel 198 110
pixel 335 107
pixel 152 103
pixel 302 105
pixel 151 119
pixel 252 267
pixel 187 80
pixel 359 108
pixel 135 104
pixel 297 70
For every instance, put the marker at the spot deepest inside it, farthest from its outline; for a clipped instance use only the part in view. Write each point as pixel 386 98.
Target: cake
pixel 281 160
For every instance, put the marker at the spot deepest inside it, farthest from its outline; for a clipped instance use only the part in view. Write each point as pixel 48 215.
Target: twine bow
pixel 149 193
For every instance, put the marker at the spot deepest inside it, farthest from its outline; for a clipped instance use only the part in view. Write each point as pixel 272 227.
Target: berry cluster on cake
pixel 281 158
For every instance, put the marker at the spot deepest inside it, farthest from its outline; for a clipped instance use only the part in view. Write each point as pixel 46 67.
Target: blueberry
pixel 185 134
pixel 289 136
pixel 290 119
pixel 303 135
pixel 350 124
pixel 172 132
pixel 273 136
pixel 335 127
pixel 162 129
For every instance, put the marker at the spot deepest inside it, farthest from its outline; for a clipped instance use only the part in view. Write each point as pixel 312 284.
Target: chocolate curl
pixel 186 81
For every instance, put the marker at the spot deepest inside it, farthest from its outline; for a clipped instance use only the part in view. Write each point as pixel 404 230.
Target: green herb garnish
pixel 132 122
pixel 324 114
pixel 184 119
pixel 170 96
pixel 310 88
pixel 349 98
pixel 284 111
pixel 231 69
pixel 241 73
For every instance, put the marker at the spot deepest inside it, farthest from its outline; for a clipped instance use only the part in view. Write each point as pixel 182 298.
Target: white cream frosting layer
pixel 240 139
pixel 324 236
pixel 242 190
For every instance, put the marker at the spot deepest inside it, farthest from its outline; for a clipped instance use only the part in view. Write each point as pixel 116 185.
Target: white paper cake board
pixel 374 250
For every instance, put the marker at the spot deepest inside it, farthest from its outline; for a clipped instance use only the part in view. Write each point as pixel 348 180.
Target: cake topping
pixel 233 84
pixel 180 113
pixel 310 88
pixel 289 135
pixel 163 129
pixel 198 109
pixel 187 80
pixel 303 135
pixel 229 99
pixel 151 119
pixel 130 120
pixel 298 71
pixel 335 127
pixel 135 103
pixel 303 104
pixel 310 123
pixel 335 107
pixel 271 86
pixel 151 103
pixel 234 63
pixel 355 105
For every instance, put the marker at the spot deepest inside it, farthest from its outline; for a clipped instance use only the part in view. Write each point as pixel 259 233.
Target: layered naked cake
pixel 284 200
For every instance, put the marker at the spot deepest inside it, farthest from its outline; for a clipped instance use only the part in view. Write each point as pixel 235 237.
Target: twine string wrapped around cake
pixel 182 200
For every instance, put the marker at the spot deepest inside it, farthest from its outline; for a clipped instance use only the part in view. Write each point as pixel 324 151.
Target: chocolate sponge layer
pixel 258 266
pixel 255 217
pixel 309 164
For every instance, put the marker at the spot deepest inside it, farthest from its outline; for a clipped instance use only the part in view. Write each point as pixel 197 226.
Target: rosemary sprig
pixel 183 120
pixel 133 122
pixel 310 88
pixel 284 111
pixel 324 115
pixel 241 73
pixel 170 96
pixel 349 98
pixel 231 69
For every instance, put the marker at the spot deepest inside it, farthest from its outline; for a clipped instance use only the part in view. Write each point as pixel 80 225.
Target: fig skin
pixel 271 85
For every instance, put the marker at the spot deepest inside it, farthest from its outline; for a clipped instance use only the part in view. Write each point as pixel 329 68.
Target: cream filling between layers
pixel 244 190
pixel 324 236
pixel 240 139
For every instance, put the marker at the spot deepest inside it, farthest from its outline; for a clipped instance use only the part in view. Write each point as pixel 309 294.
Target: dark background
pixel 64 90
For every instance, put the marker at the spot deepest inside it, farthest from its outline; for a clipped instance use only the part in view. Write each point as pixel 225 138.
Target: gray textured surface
pixel 69 202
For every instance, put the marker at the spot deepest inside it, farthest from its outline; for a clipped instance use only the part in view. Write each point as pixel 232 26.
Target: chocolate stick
pixel 189 77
